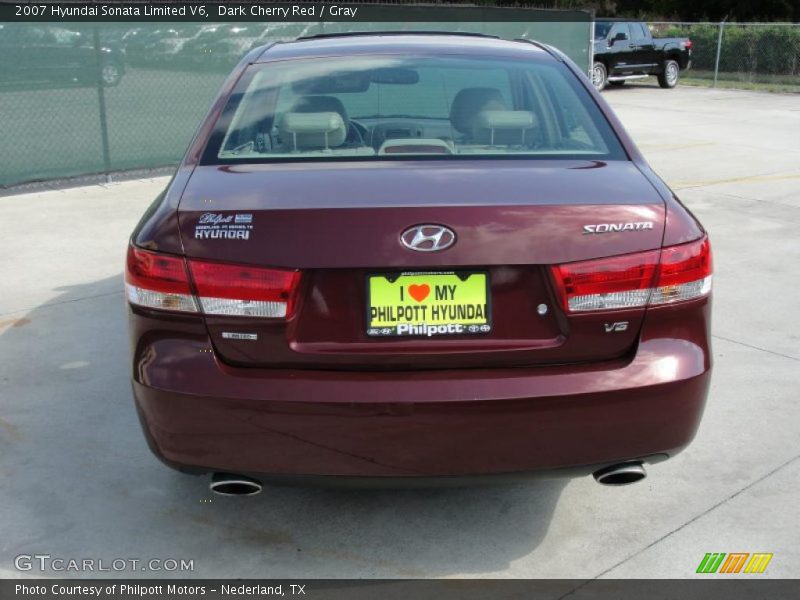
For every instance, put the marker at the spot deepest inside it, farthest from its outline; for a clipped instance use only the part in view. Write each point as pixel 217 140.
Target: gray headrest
pixel 503 126
pixel 469 102
pixel 318 104
pixel 305 131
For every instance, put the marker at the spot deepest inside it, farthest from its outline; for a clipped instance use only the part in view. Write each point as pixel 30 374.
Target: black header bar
pixel 727 588
pixel 273 12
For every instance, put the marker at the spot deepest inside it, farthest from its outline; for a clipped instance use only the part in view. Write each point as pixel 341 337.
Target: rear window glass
pixel 601 29
pixel 639 31
pixel 385 107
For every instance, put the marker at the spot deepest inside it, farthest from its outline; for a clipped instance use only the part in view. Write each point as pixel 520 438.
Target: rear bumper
pixel 201 415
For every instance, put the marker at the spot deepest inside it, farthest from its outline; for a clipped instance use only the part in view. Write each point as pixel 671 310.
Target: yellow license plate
pixel 428 304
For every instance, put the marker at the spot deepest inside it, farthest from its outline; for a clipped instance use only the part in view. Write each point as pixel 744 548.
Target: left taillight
pixel 157 280
pixel 164 282
pixel 650 278
pixel 243 290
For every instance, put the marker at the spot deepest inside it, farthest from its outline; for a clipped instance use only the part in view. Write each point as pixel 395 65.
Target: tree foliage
pixel 681 10
pixel 713 10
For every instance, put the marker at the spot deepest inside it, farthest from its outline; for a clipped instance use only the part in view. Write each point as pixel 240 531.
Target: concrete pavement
pixel 77 480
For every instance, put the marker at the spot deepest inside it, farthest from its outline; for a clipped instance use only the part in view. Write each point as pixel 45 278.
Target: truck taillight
pixel 687 44
pixel 162 281
pixel 651 278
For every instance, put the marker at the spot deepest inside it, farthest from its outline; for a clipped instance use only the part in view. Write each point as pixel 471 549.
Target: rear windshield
pixel 383 107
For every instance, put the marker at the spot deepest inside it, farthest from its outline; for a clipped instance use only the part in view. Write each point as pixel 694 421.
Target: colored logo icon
pixel 736 562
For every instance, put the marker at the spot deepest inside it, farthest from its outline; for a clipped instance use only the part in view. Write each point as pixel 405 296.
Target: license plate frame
pixel 478 324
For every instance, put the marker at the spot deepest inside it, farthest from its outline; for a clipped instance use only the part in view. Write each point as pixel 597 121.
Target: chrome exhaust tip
pixel 228 484
pixel 622 474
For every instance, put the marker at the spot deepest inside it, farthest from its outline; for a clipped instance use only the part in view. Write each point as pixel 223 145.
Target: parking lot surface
pixel 77 480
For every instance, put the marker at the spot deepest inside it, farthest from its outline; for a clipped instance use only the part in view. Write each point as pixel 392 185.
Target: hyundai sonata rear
pixel 414 256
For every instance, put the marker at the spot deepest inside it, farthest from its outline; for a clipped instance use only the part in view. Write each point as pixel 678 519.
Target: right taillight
pixel 649 278
pixel 684 273
pixel 161 281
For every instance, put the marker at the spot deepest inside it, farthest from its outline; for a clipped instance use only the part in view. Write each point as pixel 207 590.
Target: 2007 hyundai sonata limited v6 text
pixel 410 256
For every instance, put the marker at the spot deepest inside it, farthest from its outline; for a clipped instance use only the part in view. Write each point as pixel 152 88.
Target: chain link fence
pixel 82 99
pixel 740 53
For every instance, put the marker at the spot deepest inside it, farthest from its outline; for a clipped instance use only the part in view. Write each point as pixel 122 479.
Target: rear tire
pixel 599 76
pixel 668 78
pixel 109 76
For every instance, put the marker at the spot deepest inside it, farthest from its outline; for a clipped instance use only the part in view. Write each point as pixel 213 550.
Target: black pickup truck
pixel 625 50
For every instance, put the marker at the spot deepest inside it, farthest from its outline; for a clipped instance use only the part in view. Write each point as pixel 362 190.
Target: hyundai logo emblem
pixel 428 238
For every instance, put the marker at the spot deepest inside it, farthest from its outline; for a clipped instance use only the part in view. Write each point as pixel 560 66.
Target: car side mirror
pixel 617 38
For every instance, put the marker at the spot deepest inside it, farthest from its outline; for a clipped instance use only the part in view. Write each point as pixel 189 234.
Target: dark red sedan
pixel 411 256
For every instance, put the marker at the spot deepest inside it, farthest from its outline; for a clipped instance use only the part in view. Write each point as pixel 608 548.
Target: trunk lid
pixel 340 223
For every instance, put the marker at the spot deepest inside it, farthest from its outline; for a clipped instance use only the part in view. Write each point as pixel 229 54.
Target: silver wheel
pixel 110 75
pixel 599 76
pixel 668 78
pixel 672 73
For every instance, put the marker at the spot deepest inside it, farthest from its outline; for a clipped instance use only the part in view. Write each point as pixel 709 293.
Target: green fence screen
pixel 77 99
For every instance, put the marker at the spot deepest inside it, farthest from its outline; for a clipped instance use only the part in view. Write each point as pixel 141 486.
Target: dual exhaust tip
pixel 229 484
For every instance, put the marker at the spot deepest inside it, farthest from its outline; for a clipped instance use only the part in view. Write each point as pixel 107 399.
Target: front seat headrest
pixel 312 131
pixel 471 101
pixel 506 127
pixel 319 104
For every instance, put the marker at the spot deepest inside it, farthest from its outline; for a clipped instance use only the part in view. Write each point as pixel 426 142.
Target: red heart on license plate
pixel 419 292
